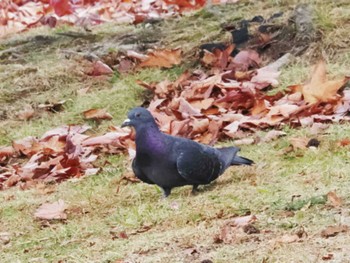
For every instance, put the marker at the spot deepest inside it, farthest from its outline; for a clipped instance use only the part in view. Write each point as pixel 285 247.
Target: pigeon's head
pixel 138 117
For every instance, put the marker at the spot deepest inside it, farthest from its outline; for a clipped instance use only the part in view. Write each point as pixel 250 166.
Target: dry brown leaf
pixel 245 141
pixel 202 104
pixel 129 177
pixel 319 89
pixel 165 58
pixel 285 110
pixel 317 128
pixel 344 142
pixel 260 107
pixel 6 151
pixel 234 229
pixel 199 126
pixel 299 143
pixel 26 114
pixel 272 135
pixel 288 239
pixel 107 138
pixel 52 211
pixel 335 200
pixel 12 180
pixel 247 58
pixel 83 91
pixel 208 58
pixel 99 68
pixel 186 109
pixel 97 114
pixel 332 231
pixel 27 146
pixel 329 256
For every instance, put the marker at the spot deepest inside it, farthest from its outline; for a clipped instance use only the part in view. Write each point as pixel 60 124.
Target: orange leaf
pixel 335 200
pixel 97 114
pixel 26 114
pixel 344 142
pixel 165 58
pixel 298 143
pixel 319 89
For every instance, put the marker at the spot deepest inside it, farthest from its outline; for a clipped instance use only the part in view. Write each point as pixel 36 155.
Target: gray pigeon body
pixel 170 161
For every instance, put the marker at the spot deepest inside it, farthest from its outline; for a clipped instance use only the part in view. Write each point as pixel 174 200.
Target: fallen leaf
pixel 288 239
pixel 165 58
pixel 26 114
pixel 83 91
pixel 52 211
pixel 332 231
pixel 6 151
pixel 99 68
pixel 242 220
pixel 272 135
pixel 27 146
pixel 317 128
pixel 298 143
pixel 107 138
pixel 335 200
pixel 130 177
pixel 247 58
pixel 199 126
pixel 329 256
pixel 53 107
pixel 5 238
pixel 318 88
pixel 233 229
pixel 208 58
pixel 344 142
pixel 62 7
pixel 118 234
pixel 245 141
pixel 97 114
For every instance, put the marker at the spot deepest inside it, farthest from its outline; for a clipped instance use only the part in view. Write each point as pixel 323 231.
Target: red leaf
pixel 62 7
pixel 100 68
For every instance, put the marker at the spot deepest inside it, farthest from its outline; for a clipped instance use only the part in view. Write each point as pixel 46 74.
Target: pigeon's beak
pixel 126 123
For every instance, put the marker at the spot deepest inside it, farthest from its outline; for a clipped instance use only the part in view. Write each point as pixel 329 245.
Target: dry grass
pixel 183 227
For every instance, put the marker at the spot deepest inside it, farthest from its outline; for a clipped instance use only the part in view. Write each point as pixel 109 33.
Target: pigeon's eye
pixel 137 114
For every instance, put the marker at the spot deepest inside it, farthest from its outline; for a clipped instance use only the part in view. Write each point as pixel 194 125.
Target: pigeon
pixel 170 161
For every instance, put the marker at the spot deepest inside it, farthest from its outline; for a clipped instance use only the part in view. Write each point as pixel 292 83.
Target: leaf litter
pixel 58 155
pixel 50 211
pixel 20 15
pixel 227 97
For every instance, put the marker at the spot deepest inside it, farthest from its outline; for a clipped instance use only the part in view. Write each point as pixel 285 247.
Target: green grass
pixel 101 207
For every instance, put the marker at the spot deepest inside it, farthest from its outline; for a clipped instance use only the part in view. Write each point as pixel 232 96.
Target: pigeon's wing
pixel 139 174
pixel 198 165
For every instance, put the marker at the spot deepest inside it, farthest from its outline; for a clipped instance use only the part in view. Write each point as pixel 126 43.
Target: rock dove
pixel 170 161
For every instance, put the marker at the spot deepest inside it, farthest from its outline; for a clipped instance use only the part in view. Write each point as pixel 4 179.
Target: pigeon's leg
pixel 166 192
pixel 194 188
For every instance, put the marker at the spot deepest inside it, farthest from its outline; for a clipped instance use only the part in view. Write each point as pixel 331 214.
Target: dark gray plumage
pixel 170 161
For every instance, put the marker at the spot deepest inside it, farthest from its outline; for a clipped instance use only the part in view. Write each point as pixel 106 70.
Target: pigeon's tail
pixel 238 160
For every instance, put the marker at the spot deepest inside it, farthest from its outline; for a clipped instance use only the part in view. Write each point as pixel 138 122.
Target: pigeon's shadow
pixel 217 183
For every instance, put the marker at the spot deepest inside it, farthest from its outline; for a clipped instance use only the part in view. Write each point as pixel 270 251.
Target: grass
pixel 102 207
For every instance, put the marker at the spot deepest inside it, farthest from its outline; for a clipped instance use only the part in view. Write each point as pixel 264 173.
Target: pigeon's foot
pixel 166 192
pixel 194 189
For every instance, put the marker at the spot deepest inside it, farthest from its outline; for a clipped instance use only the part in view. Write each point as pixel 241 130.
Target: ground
pixel 112 220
